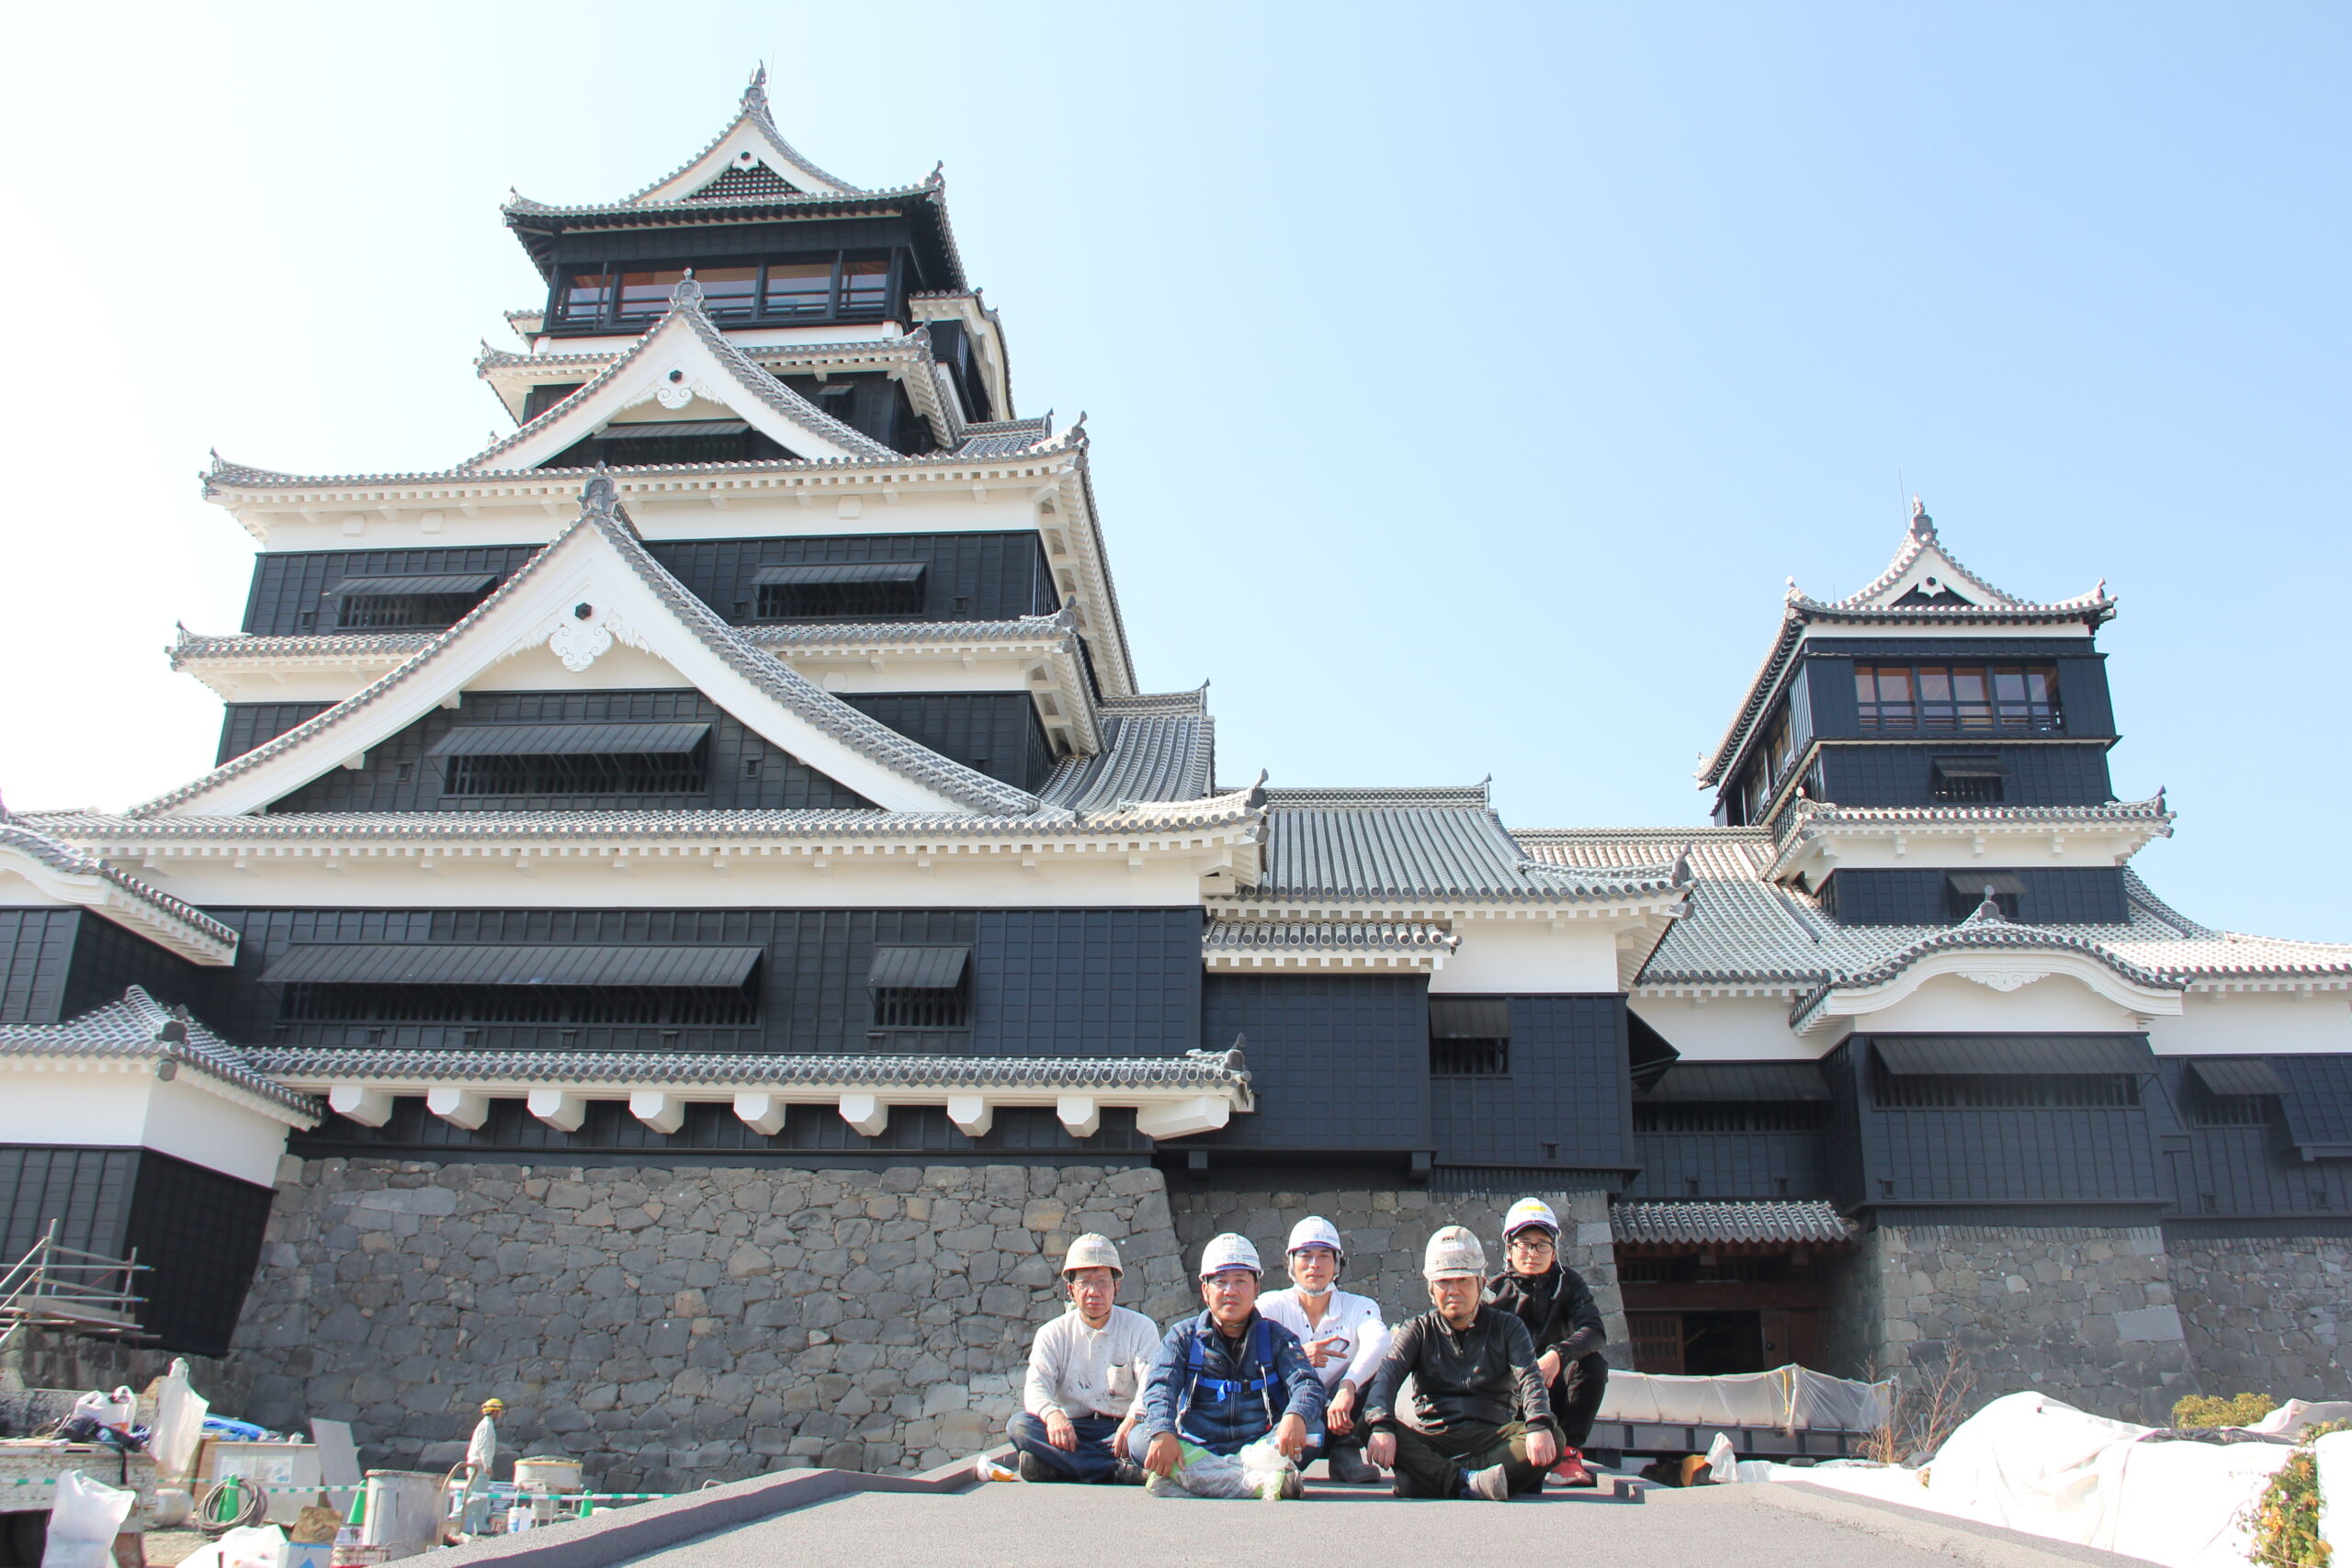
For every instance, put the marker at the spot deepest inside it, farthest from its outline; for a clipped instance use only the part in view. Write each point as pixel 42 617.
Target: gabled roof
pixel 1924 586
pixel 70 876
pixel 599 566
pixel 749 141
pixel 137 1028
pixel 1805 1222
pixel 1448 843
pixel 682 356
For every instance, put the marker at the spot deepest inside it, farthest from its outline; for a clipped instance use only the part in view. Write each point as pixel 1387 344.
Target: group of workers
pixel 1506 1373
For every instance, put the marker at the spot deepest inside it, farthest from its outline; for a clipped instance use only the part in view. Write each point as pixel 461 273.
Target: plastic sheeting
pixel 1792 1398
pixel 2334 1453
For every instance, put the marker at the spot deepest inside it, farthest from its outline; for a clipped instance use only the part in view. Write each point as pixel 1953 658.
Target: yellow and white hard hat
pixel 1529 1212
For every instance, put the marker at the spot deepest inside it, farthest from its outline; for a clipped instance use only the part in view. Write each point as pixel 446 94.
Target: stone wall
pixel 671 1326
pixel 2268 1314
pixel 2084 1315
pixel 1385 1230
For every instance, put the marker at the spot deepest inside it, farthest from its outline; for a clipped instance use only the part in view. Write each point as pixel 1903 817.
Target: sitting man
pixel 1482 1421
pixel 1085 1369
pixel 1550 1298
pixel 1225 1379
pixel 1344 1338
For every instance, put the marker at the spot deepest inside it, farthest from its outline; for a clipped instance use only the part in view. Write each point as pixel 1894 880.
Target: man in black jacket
pixel 1551 1299
pixel 1482 1422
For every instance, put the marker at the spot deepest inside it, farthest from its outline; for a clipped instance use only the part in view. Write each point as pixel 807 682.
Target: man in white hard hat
pixel 1225 1379
pixel 1342 1333
pixel 1553 1301
pixel 1483 1422
pixel 1086 1370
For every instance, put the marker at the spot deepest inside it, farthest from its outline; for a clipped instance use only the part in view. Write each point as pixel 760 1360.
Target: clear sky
pixel 1466 380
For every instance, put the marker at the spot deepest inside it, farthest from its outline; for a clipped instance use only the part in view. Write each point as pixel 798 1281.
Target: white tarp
pixel 2029 1463
pixel 2335 1455
pixel 1791 1398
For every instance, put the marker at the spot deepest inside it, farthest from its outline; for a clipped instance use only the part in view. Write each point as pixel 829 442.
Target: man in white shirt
pixel 1086 1375
pixel 1344 1338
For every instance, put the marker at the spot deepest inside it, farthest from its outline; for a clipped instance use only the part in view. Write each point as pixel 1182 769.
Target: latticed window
pixel 575 759
pixel 1967 780
pixel 920 986
pixel 432 599
pixel 673 1005
pixel 1469 1036
pixel 839 590
pixel 1941 1092
pixel 1755 1116
pixel 484 983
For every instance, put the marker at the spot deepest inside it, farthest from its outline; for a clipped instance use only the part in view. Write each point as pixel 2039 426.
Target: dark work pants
pixel 1431 1464
pixel 1575 1397
pixel 1092 1459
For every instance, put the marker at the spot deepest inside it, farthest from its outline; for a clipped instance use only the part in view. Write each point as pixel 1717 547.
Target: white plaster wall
pixel 1949 1004
pixel 2002 852
pixel 619 669
pixel 915 672
pixel 87 1105
pixel 1841 631
pixel 1581 955
pixel 2254 1023
pixel 994 880
pixel 19 893
pixel 1728 1028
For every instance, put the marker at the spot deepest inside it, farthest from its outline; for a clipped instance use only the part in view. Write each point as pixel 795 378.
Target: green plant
pixel 2284 1522
pixel 2212 1410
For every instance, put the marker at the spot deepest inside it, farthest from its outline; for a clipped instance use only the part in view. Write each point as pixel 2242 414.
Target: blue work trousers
pixel 1092 1459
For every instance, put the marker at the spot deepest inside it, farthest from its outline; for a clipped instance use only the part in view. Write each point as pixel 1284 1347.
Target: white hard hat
pixel 1315 1231
pixel 1453 1253
pixel 1229 1251
pixel 1529 1212
pixel 1091 1251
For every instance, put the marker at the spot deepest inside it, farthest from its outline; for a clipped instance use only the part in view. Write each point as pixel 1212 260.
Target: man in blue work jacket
pixel 1225 1379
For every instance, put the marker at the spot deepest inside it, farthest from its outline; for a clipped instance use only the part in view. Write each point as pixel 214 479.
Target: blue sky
pixel 1465 381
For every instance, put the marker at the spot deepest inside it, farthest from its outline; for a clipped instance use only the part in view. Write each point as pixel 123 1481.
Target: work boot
pixel 1570 1471
pixel 1127 1472
pixel 1032 1468
pixel 1350 1466
pixel 1493 1483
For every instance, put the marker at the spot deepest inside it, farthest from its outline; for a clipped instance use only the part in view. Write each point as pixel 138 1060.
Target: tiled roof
pixel 1742 929
pixel 1146 755
pixel 16 834
pixel 685 304
pixel 138 1027
pixel 1004 437
pixel 1195 1069
pixel 1420 844
pixel 822 636
pixel 599 512
pixel 1800 1223
pixel 1327 936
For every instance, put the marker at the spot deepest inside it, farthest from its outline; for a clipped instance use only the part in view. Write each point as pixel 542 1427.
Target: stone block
pixel 2149 1324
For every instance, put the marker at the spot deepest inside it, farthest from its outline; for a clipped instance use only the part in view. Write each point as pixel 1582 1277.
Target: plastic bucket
pixel 403 1512
pixel 550 1473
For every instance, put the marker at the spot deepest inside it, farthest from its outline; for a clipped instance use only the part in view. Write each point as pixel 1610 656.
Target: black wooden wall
pixel 56 964
pixel 1338 1062
pixel 244 725
pixel 199 1231
pixel 2040 773
pixel 2052 895
pixel 1563 1101
pixel 400 776
pixel 995 733
pixel 288 587
pixel 1044 982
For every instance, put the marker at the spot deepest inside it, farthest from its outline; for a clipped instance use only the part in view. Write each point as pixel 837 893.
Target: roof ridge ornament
pixel 688 292
pixel 1987 913
pixel 600 498
pixel 755 96
pixel 1923 527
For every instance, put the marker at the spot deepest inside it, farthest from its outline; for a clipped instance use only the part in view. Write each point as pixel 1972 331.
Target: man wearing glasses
pixel 1551 1299
pixel 1482 1422
pixel 1342 1333
pixel 1225 1379
pixel 1086 1372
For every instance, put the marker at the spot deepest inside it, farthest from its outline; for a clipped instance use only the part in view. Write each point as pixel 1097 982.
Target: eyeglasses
pixel 1536 1241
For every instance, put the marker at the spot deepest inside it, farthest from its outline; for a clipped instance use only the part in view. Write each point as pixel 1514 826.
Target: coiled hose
pixel 228 1504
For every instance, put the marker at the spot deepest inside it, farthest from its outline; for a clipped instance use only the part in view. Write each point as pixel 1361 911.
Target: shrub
pixel 2212 1410
pixel 2284 1522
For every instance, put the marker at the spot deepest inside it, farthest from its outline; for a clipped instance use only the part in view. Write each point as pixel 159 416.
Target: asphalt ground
pixel 1008 1525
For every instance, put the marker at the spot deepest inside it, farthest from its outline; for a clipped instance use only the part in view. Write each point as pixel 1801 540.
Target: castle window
pixel 366 982
pixel 2233 1092
pixel 1965 893
pixel 436 599
pixel 645 294
pixel 575 759
pixel 1947 698
pixel 729 290
pixel 1469 1037
pixel 585 297
pixel 800 289
pixel 839 590
pixel 1967 781
pixel 921 987
pixel 825 286
pixel 2022 1072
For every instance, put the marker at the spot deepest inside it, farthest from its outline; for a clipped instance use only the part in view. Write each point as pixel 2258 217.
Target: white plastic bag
pixel 179 1423
pixel 254 1546
pixel 1249 1473
pixel 114 1410
pixel 83 1520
